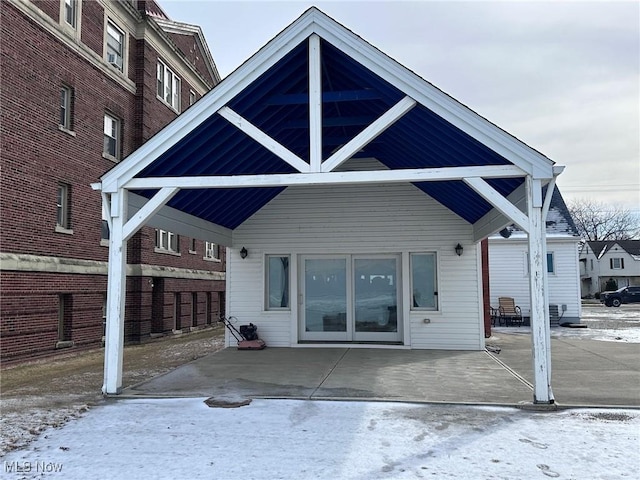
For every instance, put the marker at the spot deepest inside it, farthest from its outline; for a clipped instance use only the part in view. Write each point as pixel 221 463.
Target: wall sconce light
pixel 243 253
pixel 459 249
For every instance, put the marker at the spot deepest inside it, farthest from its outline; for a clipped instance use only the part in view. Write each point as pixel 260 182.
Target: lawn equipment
pixel 247 336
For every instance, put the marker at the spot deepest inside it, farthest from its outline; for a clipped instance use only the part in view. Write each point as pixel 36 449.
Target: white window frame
pixel 70 8
pixel 169 86
pixel 115 56
pixel 66 104
pixel 552 264
pixel 63 218
pixel 192 97
pixel 105 233
pixel 71 27
pixel 267 288
pixel 112 130
pixel 167 242
pixel 211 251
pixel 436 282
pixel 617 260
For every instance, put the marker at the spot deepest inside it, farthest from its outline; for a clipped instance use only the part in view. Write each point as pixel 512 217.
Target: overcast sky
pixel 563 77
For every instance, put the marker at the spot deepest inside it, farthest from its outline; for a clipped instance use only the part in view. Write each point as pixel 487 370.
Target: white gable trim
pixel 315 22
pixel 434 99
pixel 224 92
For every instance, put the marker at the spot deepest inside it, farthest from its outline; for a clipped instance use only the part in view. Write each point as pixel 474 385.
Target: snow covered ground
pixel 607 324
pixel 289 439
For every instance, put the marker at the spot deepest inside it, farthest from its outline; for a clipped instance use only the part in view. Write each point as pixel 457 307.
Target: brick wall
pixel 37 155
pixel 30 306
pixel 188 46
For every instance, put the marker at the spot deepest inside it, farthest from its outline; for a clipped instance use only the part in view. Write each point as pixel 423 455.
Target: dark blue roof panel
pixel 352 98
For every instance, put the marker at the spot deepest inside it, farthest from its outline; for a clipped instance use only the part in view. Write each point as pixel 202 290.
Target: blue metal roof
pixel 352 98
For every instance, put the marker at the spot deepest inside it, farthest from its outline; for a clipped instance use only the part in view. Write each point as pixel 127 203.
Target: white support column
pixel 315 103
pixel 540 332
pixel 116 290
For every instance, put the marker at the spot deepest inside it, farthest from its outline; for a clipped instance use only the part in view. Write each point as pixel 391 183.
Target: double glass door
pixel 350 298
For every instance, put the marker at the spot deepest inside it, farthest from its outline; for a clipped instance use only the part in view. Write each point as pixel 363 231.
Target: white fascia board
pixel 327 178
pixel 173 220
pixel 494 220
pixel 213 101
pixel 445 106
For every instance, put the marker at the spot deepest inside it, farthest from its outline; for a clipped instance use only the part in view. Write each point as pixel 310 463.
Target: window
pixel 551 268
pixel 424 282
pixel 71 16
pixel 71 12
pixel 211 251
pixel 192 97
pixel 192 246
pixel 65 321
pixel 277 282
pixel 167 241
pixel 63 221
pixel 111 136
pixel 177 311
pixel 104 316
pixel 194 309
pixel 616 263
pixel 168 86
pixel 115 46
pixel 66 96
pixel 591 260
pixel 104 230
pixel 207 306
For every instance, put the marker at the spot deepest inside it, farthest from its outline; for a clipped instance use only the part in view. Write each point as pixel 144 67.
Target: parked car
pixel 620 296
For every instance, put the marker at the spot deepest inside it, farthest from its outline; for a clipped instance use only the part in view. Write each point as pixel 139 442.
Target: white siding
pixel 395 218
pixel 509 277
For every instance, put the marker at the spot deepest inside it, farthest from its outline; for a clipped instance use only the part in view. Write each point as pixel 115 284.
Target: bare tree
pixel 597 221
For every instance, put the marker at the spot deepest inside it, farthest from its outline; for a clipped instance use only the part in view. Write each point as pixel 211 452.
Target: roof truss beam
pixel 503 205
pixel 331 178
pixel 263 139
pixel 147 211
pixel 333 122
pixel 327 97
pixel 315 103
pixel 368 134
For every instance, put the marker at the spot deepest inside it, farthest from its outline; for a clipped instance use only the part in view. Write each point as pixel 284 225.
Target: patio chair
pixel 495 316
pixel 510 313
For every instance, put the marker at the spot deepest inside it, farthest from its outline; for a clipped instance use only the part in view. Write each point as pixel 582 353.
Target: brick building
pixel 85 83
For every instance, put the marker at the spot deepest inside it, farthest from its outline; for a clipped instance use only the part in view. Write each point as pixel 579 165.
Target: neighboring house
pixel 508 265
pixel 353 196
pixel 85 83
pixel 618 260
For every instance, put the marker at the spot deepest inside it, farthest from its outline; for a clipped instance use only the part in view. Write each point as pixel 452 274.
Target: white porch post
pixel 540 329
pixel 116 288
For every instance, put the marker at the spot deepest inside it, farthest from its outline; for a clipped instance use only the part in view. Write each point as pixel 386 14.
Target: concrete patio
pixel 585 373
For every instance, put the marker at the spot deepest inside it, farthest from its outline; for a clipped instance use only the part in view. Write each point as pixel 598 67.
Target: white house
pixel 508 265
pixel 352 195
pixel 618 260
